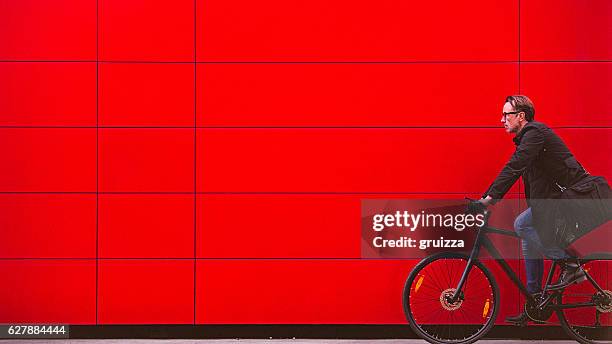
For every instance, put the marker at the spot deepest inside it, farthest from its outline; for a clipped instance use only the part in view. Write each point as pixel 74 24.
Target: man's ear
pixel 522 115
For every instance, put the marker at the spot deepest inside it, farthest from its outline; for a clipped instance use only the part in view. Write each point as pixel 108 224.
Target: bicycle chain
pixel 600 308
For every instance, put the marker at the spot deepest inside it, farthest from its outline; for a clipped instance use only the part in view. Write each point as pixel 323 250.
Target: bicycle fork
pixel 473 255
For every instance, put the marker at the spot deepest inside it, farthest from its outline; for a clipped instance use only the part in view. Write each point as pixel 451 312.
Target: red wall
pixel 203 161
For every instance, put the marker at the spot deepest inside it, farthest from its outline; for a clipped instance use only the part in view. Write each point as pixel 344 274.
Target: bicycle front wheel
pixel 592 324
pixel 430 310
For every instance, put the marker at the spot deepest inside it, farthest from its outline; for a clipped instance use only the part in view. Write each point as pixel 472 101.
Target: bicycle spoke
pixel 437 318
pixel 585 323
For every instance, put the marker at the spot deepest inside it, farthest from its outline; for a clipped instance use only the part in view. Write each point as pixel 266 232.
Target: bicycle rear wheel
pixel 433 316
pixel 591 324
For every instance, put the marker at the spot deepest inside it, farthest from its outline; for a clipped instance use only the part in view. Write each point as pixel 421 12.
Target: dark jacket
pixel 546 165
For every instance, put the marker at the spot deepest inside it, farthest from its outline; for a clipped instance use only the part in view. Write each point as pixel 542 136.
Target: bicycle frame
pixel 483 240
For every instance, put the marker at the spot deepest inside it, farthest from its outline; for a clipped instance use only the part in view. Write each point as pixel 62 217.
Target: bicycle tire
pixel 579 323
pixel 429 332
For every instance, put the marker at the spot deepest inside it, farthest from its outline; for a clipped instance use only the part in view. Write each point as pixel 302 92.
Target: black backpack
pixel 581 208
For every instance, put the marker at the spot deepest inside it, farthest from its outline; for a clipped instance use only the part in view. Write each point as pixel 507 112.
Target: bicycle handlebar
pixel 487 213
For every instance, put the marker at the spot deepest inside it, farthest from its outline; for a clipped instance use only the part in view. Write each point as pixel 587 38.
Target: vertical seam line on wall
pixel 519 243
pixel 97 148
pixel 195 160
pixel 519 47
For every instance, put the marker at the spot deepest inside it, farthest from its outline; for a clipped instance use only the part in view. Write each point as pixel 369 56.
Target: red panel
pixel 503 215
pixel 146 94
pixel 48 291
pixel 144 30
pixel 353 94
pixel 350 160
pixel 147 226
pixel 48 30
pixel 146 160
pixel 279 226
pixel 310 291
pixel 566 30
pixel 509 293
pixel 48 94
pixel 388 30
pixel 596 242
pixel 301 291
pixel 294 225
pixel 48 159
pixel 569 94
pixel 145 292
pixel 47 226
pixel 608 275
pixel 592 148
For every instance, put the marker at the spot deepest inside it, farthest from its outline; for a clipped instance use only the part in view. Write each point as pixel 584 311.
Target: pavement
pixel 259 341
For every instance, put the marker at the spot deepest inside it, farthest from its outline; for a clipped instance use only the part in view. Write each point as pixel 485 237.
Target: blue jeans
pixel 533 250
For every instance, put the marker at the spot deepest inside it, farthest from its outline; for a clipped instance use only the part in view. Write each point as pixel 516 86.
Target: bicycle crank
pixel 603 301
pixel 538 315
pixel 537 310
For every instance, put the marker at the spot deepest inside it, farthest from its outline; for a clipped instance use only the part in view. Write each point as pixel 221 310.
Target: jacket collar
pixel 517 139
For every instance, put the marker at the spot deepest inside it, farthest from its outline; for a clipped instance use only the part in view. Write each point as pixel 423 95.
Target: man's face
pixel 510 120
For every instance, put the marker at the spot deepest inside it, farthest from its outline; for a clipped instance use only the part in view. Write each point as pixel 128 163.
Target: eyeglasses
pixel 505 114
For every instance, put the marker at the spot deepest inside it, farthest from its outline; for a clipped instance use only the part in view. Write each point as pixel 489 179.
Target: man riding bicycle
pixel 547 166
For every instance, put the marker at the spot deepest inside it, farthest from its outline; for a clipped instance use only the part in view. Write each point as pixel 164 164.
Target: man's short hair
pixel 524 104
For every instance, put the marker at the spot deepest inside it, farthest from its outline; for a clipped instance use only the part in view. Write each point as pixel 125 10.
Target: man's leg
pixel 534 264
pixel 571 272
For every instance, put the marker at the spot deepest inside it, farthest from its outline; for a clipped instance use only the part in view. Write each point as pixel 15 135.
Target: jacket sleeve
pixel 529 148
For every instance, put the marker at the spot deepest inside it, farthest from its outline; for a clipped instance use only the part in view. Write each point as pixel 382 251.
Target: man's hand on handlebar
pixel 475 207
pixel 479 206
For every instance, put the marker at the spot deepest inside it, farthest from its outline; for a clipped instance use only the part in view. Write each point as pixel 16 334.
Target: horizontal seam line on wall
pixel 290 127
pixel 243 193
pixel 224 258
pixel 307 62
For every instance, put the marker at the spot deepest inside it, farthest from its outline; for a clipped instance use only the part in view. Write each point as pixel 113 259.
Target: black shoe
pixel 571 273
pixel 519 319
pixel 522 319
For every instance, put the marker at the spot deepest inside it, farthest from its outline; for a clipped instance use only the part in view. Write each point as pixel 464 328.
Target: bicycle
pixel 453 298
